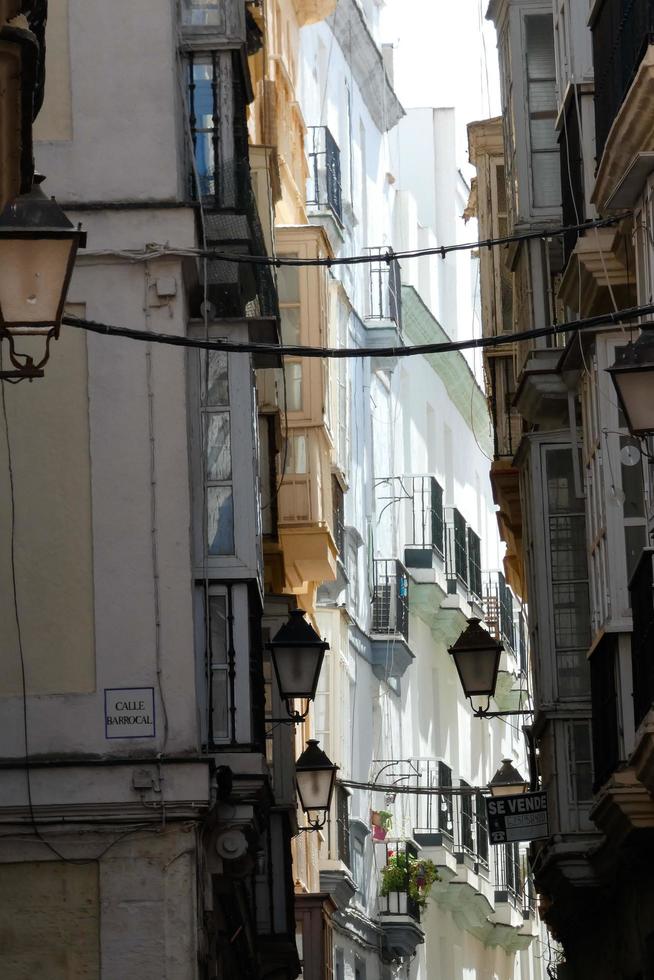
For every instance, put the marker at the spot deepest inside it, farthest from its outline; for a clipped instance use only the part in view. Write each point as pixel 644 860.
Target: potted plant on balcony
pixel 421 876
pixel 382 822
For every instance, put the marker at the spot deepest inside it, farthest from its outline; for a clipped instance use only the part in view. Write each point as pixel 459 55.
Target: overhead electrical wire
pixel 154 250
pixel 297 350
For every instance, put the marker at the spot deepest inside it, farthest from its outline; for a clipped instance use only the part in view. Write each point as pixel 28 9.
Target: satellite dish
pixel 630 455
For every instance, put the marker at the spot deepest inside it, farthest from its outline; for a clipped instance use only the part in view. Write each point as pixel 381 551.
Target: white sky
pixel 445 55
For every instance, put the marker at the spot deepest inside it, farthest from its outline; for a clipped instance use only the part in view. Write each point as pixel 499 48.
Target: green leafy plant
pixel 421 876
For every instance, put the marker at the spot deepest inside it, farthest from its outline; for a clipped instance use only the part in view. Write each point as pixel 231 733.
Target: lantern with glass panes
pixel 633 377
pixel 476 656
pixel 38 245
pixel 297 654
pixel 315 776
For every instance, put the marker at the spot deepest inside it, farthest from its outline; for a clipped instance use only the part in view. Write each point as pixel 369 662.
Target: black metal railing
pixel 395 888
pixel 455 818
pixel 343 825
pixel 497 602
pixel 572 176
pixel 390 601
pixel 642 638
pixel 462 555
pixel 324 188
pixel 507 421
pixel 416 503
pixel 506 872
pixel 621 29
pixel 604 699
pixel 384 287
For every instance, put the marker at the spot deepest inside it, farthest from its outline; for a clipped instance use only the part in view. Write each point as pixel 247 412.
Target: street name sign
pixel 519 817
pixel 129 712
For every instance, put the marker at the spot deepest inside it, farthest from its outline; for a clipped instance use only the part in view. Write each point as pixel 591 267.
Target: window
pixel 467 819
pixel 460 547
pixel 218 665
pixel 339 964
pixel 445 807
pixel 541 100
pixel 474 562
pixel 221 174
pixel 217 454
pixel 566 540
pixel 437 523
pixel 580 762
pixel 201 13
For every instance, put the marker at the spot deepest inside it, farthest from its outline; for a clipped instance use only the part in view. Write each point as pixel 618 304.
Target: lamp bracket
pixel 24 366
pixel 485 713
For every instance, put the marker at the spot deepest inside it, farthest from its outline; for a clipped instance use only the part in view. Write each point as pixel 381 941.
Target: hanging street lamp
pixel 38 245
pixel 633 377
pixel 315 776
pixel 476 656
pixel 507 781
pixel 297 654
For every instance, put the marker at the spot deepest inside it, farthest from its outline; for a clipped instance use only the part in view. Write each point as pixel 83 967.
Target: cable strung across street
pixel 297 350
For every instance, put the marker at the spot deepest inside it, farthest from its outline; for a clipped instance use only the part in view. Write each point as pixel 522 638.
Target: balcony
pixel 621 34
pixel 389 629
pixel 390 602
pixel 383 319
pixel 484 886
pixel 324 185
pixel 572 176
pixel 398 907
pixel 462 557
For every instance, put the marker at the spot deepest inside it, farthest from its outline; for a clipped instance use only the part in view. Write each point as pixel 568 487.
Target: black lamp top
pixel 298 632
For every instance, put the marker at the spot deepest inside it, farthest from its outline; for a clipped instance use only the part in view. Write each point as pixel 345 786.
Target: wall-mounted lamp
pixel 476 656
pixel 633 374
pixel 297 653
pixel 315 776
pixel 38 245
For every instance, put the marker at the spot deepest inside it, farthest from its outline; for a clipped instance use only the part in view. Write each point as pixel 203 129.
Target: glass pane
pixel 290 317
pixel 220 521
pixel 573 674
pixel 568 548
pixel 296 460
pixel 215 379
pixel 198 13
pixel 218 446
pixel 546 171
pixel 560 482
pixel 219 699
pixel 288 282
pixel 205 163
pixel 293 387
pixel 218 629
pixel 571 614
pixel 539 31
pixel 542 98
pixel 543 134
pixel 202 96
pixel 632 477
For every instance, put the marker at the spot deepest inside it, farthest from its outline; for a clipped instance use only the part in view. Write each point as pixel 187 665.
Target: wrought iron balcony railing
pixel 414 503
pixel 462 554
pixel 390 601
pixel 499 612
pixel 395 890
pixel 621 29
pixel 324 188
pixel 338 517
pixel 385 287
